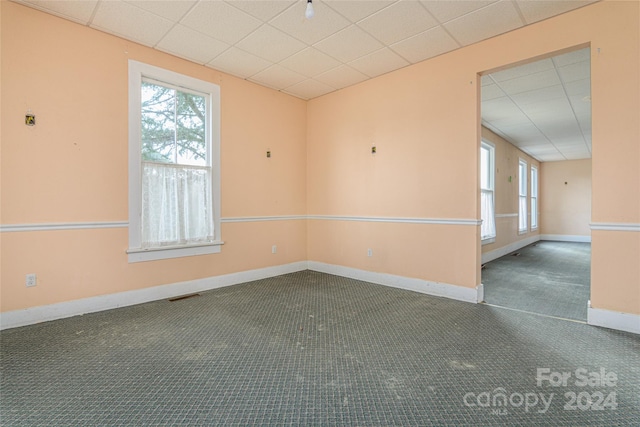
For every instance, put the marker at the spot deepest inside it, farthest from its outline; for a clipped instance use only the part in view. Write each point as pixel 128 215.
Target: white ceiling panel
pixel 221 21
pixel 187 43
pixel 310 31
pixel 534 11
pixel 270 44
pixel 76 11
pixel 239 63
pixel 543 94
pixel 579 88
pixel 277 77
pixel 349 44
pixel 515 72
pixel 531 82
pixel 575 72
pixel 172 10
pixel 445 11
pixel 341 77
pixel 379 62
pixel 355 10
pixel 310 62
pixel 264 10
pixel 492 91
pixel 131 22
pixel 425 45
pixel 398 22
pixel 572 57
pixel 497 18
pixel 309 89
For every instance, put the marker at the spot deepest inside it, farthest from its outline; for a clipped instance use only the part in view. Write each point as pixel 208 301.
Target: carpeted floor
pixel 313 349
pixel 550 278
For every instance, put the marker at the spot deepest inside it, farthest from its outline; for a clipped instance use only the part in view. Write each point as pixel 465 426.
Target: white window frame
pixel 522 193
pixel 492 172
pixel 534 197
pixel 138 71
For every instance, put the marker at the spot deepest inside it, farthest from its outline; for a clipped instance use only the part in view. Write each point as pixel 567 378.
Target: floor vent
pixel 516 254
pixel 183 297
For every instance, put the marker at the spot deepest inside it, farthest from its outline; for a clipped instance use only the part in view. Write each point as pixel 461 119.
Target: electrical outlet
pixel 369 252
pixel 31 280
pixel 274 249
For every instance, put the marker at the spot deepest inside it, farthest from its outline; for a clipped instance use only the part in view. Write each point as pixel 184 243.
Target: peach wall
pixel 507 158
pixel 565 198
pixel 424 119
pixel 72 166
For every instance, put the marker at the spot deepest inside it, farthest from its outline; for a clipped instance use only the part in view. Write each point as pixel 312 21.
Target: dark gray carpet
pixel 550 278
pixel 312 349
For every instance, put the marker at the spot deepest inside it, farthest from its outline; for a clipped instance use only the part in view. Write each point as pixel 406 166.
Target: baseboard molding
pixel 500 252
pixel 446 290
pixel 566 238
pixel 29 316
pixel 613 320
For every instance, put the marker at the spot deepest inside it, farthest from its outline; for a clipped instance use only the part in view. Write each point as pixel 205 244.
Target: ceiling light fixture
pixel 308 13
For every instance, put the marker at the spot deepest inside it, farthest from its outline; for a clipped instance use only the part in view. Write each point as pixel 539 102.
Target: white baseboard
pixel 566 238
pixel 446 290
pixel 29 316
pixel 500 252
pixel 613 320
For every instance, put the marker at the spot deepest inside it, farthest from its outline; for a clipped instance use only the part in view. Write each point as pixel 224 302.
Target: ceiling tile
pixel 325 22
pixel 130 22
pixel 264 10
pixel 308 89
pixel 572 57
pixel 534 11
pixel 76 11
pixel 379 62
pixel 486 80
pixel 398 22
pixel 172 10
pixel 310 62
pixel 445 11
pixel 539 95
pixel 239 63
pixel 523 70
pixel 491 91
pixel 576 71
pixel 187 43
pixel 579 88
pixel 270 44
pixel 341 77
pixel 425 45
pixel 220 21
pixel 497 18
pixel 498 108
pixel 355 10
pixel 277 77
pixel 349 44
pixel 530 82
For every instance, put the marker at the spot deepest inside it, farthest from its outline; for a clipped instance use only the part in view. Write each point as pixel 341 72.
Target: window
pixel 174 203
pixel 522 205
pixel 534 197
pixel 487 203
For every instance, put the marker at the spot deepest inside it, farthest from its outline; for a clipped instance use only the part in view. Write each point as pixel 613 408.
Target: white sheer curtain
pixel 176 209
pixel 522 214
pixel 488 228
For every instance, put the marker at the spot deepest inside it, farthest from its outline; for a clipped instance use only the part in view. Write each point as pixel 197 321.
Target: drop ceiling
pixel 544 107
pixel 270 42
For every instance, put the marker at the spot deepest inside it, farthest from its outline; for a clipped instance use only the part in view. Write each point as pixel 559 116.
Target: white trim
pixel 507 215
pixel 263 218
pixel 627 322
pixel 447 221
pixel 460 293
pixel 615 226
pixel 8 228
pixel 565 238
pixel 167 252
pixel 500 252
pixel 13 319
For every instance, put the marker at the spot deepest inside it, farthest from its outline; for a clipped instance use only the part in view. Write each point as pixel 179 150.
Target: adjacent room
pixel 278 212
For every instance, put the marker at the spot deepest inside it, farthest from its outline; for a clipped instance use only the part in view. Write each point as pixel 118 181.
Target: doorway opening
pixel 536 185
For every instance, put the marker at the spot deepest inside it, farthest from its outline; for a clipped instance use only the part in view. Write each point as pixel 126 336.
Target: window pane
pixel 190 135
pixel 158 123
pixel 484 168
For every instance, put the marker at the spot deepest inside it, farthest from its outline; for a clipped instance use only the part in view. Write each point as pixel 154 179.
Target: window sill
pixel 488 240
pixel 521 232
pixel 153 254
